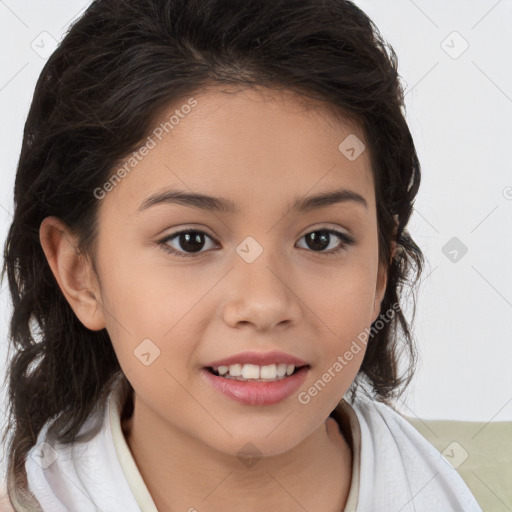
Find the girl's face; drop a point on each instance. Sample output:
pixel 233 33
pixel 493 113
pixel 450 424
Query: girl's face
pixel 261 276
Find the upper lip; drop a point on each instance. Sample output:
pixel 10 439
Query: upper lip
pixel 258 358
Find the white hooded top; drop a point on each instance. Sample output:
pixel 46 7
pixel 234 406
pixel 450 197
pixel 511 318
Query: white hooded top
pixel 394 468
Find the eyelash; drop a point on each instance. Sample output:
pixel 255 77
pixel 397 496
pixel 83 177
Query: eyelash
pixel 346 241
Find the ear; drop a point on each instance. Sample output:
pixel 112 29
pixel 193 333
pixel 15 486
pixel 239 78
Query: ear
pixel 382 277
pixel 380 290
pixel 73 272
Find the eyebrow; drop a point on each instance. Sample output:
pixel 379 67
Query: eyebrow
pixel 209 203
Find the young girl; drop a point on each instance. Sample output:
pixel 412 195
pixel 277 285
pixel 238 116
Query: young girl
pixel 206 263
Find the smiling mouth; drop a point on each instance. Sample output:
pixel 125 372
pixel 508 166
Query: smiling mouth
pixel 254 373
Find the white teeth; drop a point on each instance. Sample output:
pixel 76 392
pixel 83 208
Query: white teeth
pixel 281 369
pixel 268 372
pixel 222 370
pixel 250 371
pixel 235 370
pixel 255 372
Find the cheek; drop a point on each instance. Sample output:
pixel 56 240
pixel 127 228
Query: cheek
pixel 343 307
pixel 147 298
pixel 342 298
pixel 151 309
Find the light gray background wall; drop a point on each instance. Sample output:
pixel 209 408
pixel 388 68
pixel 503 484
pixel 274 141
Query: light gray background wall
pixel 455 60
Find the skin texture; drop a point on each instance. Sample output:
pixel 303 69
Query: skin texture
pixel 262 149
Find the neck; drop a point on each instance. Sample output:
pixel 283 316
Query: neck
pixel 183 473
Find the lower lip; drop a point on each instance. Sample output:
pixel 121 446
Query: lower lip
pixel 257 393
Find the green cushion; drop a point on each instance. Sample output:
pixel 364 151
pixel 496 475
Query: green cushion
pixel 480 452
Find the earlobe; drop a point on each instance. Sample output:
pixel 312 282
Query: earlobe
pixel 72 272
pixel 382 277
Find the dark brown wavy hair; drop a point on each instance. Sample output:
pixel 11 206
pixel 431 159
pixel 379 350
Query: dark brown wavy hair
pixel 96 99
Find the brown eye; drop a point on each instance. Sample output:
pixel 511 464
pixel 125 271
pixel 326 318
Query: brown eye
pixel 189 242
pixel 321 239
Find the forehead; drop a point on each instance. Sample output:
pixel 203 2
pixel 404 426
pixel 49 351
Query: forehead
pixel 254 146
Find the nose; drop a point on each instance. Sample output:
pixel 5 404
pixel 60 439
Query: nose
pixel 261 293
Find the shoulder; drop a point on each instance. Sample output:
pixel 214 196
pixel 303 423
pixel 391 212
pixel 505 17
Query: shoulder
pixel 386 432
pixel 396 460
pixel 381 422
